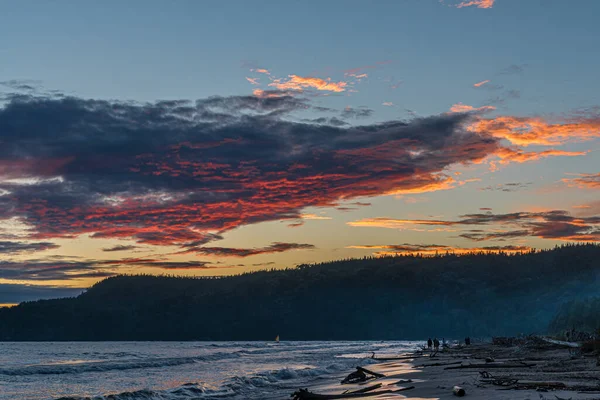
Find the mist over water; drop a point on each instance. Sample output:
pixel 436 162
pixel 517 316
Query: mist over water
pixel 176 370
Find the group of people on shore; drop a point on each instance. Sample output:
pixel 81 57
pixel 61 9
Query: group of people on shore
pixel 435 343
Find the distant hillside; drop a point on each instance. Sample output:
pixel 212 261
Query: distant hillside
pixel 372 298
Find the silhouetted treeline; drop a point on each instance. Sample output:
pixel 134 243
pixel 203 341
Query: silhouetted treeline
pixel 401 297
pixel 581 315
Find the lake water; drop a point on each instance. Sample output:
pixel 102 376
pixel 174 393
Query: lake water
pixel 177 370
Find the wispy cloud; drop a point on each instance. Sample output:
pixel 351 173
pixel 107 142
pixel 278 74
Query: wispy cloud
pixel 120 248
pixel 476 3
pixel 276 247
pixel 584 181
pixel 479 84
pixel 387 104
pixel 253 81
pixel 553 224
pixel 526 131
pixel 296 82
pixel 7 247
pixel 460 107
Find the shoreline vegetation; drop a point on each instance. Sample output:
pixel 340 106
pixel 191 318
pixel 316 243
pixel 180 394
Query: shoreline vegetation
pixel 372 298
pixel 515 368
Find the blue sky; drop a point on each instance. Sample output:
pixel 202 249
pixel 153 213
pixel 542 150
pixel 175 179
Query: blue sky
pixel 422 58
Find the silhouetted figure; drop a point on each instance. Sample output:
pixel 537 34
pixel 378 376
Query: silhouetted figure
pixel 429 343
pixel 467 340
pixel 436 344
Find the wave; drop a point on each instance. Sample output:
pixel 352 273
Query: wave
pixel 102 366
pixel 253 386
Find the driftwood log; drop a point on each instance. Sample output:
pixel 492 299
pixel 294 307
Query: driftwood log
pixel 361 375
pixel 486 366
pixel 304 394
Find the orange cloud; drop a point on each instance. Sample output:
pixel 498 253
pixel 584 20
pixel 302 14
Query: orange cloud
pixel 508 155
pixel 392 223
pixel 253 81
pixel 479 84
pixel 439 183
pixel 460 107
pixel 314 216
pixel 585 181
pixel 526 131
pixel 300 83
pixel 478 3
pixel 261 71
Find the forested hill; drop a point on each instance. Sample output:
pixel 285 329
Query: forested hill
pixel 373 298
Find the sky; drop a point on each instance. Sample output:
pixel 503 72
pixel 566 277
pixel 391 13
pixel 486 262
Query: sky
pixel 221 137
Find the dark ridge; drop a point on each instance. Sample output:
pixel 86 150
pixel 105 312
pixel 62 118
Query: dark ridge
pixel 399 297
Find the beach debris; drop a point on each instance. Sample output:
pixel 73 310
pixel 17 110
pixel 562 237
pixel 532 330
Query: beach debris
pixel 402 381
pixel 489 359
pixel 364 390
pixel 305 394
pixel 416 355
pixel 458 391
pixel 440 364
pixel 490 365
pixel 361 375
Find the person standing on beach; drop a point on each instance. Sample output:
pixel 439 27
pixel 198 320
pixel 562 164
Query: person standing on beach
pixel 429 343
pixel 436 344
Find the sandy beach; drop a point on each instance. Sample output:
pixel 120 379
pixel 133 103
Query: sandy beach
pixel 530 370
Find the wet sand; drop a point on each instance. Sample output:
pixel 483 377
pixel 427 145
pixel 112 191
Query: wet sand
pixel 558 373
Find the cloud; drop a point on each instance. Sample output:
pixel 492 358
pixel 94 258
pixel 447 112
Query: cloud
pixel 181 173
pixel 513 69
pixel 261 71
pixel 478 84
pixel 314 217
pixel 7 247
pixel 253 81
pixel 327 121
pixel 554 224
pixel 584 181
pixel 527 131
pixel 460 108
pixel 436 249
pixel 508 187
pixel 360 112
pixel 50 270
pixel 477 3
pixel 387 104
pixel 296 82
pixel 360 70
pixel 120 248
pixel 277 247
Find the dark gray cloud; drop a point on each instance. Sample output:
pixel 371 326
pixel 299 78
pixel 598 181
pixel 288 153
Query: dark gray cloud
pixel 276 247
pixel 7 247
pixel 120 248
pixel 508 187
pixel 513 69
pixel 327 121
pixel 360 112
